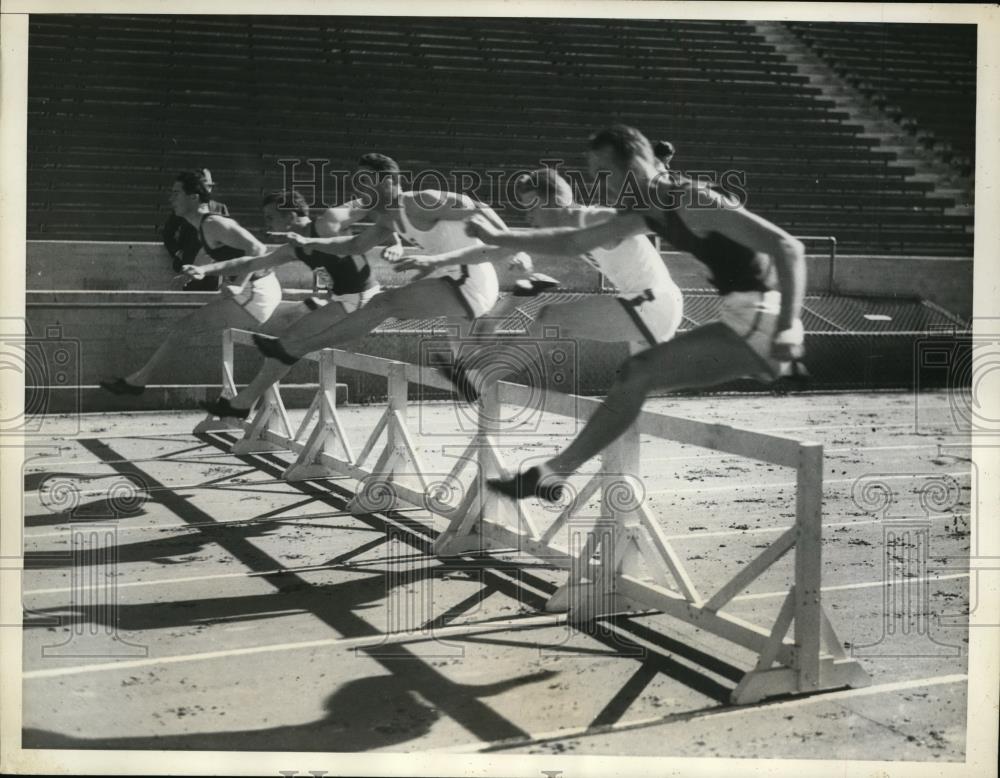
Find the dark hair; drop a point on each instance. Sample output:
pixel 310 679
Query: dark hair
pixel 287 199
pixel 626 142
pixel 547 183
pixel 664 150
pixel 193 182
pixel 378 162
pixel 206 176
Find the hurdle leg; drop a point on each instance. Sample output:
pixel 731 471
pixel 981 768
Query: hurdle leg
pixel 213 423
pixel 400 452
pixel 269 430
pixel 811 668
pixel 313 460
pixel 591 590
pixel 467 533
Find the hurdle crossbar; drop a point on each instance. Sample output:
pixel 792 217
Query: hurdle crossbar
pixel 619 562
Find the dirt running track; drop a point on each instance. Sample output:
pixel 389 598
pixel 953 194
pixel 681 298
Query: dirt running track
pixel 271 634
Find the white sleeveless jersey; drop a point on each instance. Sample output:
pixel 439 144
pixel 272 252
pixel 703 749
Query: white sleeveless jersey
pixel 443 237
pixel 633 266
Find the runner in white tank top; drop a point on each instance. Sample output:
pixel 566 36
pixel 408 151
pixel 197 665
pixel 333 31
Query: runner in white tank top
pixel 644 289
pixel 632 266
pixel 477 283
pixel 428 218
pixel 646 310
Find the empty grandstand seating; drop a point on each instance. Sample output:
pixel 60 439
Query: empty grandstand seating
pixel 922 72
pixel 145 96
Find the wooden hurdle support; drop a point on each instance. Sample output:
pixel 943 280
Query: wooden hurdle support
pixel 624 562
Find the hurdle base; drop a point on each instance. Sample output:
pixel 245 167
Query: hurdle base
pixel 586 601
pixel 471 544
pixel 310 472
pixel 757 685
pixel 255 446
pixel 214 424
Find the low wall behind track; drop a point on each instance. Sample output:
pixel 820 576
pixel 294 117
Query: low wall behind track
pixel 113 301
pixel 95 265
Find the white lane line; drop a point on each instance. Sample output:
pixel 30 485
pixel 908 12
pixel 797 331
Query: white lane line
pixel 198 526
pixel 711 713
pixel 321 568
pixel 696 454
pixel 187 579
pixel 305 570
pixel 219 485
pixel 165 458
pixel 854 424
pixel 868 424
pixel 693 535
pixel 863 585
pixel 783 484
pixel 696 534
pixel 481 627
pixel 95 435
pixel 792 403
pixel 158 528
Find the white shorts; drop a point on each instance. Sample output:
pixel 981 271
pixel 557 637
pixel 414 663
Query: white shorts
pixel 479 295
pixel 350 302
pixel 754 317
pixel 656 313
pixel 258 297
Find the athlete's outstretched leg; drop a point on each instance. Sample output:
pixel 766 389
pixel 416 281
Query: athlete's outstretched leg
pixel 213 317
pixel 602 319
pixel 316 320
pixel 429 297
pixel 706 356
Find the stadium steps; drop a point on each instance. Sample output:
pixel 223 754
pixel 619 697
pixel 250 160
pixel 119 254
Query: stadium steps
pixel 947 184
pixel 933 82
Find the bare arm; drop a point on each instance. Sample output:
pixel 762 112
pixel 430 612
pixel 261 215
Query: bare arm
pixel 249 264
pixel 455 207
pixel 340 217
pixel 346 245
pixel 229 233
pixel 475 254
pixel 562 240
pixel 760 235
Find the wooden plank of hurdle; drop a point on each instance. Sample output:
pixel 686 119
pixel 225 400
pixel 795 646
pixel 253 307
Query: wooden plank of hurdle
pixel 603 562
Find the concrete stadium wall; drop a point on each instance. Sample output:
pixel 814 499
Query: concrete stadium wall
pixel 114 301
pixel 944 281
pixel 99 265
pixel 92 293
pixel 87 265
pixel 94 328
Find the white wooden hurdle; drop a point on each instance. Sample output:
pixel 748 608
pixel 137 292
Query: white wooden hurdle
pixel 625 563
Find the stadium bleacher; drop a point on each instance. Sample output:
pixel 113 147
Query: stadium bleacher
pixel 919 72
pixel 146 96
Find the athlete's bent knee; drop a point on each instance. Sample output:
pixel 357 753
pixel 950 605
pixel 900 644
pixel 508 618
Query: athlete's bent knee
pixel 387 302
pixel 637 372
